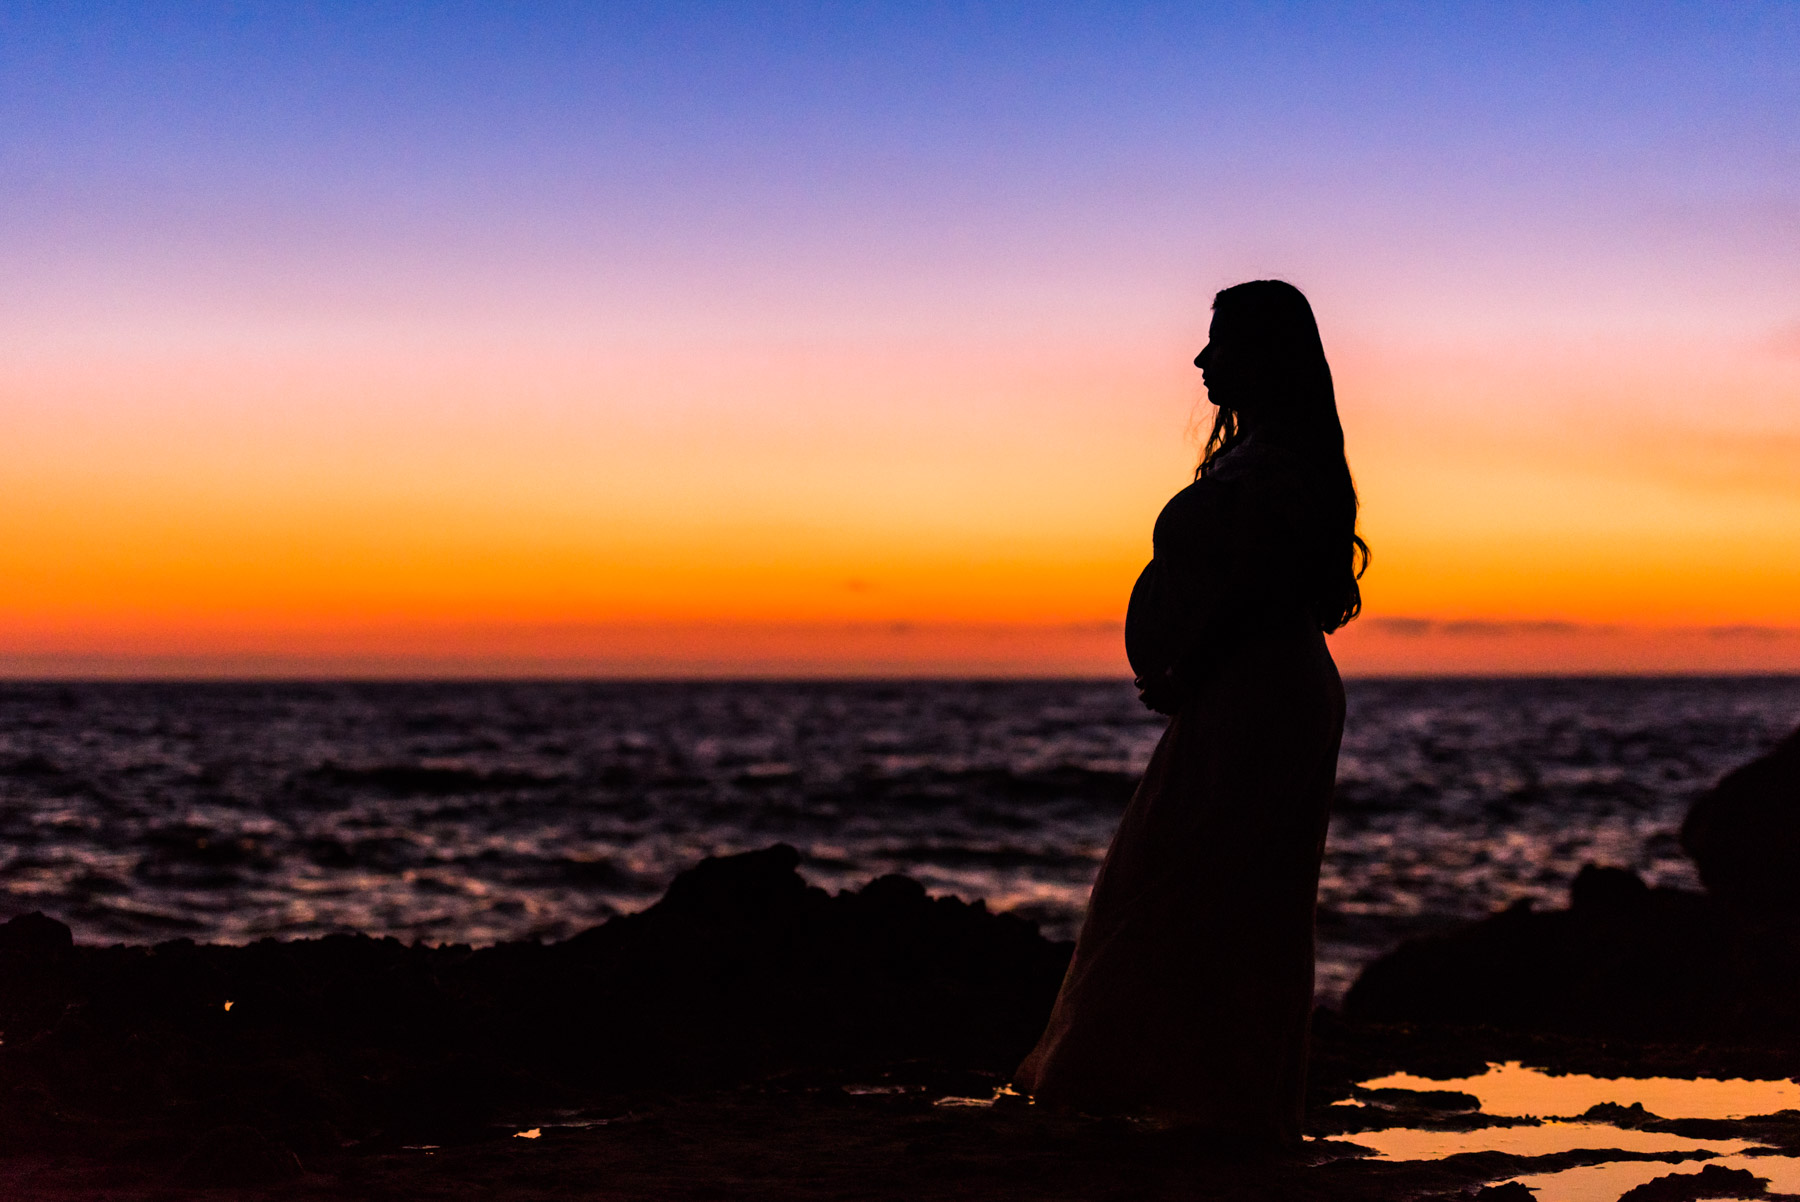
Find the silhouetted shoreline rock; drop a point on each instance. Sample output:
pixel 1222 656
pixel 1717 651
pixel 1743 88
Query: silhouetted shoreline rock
pixel 1624 960
pixel 1744 834
pixel 1621 959
pixel 740 971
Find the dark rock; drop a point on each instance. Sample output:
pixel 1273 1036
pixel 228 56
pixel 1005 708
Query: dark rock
pixel 1744 835
pixel 236 1157
pixel 313 1138
pixel 744 887
pixel 892 892
pixel 1510 1191
pixel 1629 1117
pixel 1623 960
pixel 739 972
pixel 1446 1100
pixel 1713 1181
pixel 1627 960
pixel 1607 890
pixel 35 935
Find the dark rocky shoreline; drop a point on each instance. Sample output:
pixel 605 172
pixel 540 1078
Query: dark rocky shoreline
pixel 1621 961
pixel 749 1035
pixel 739 973
pixel 1627 961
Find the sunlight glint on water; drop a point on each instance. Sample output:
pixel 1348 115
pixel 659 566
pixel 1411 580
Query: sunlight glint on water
pixel 478 812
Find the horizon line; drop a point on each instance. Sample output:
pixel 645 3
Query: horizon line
pixel 752 678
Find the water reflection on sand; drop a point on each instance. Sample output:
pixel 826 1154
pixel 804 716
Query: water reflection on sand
pixel 1566 1102
pixel 1512 1089
pixel 1606 1182
pixel 1542 1139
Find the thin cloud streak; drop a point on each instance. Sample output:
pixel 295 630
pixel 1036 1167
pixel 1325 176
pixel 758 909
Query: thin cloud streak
pixel 1405 627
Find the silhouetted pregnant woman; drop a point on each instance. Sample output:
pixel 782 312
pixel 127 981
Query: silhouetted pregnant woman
pixel 1190 993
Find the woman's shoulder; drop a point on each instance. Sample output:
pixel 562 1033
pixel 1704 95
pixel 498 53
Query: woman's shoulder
pixel 1254 476
pixel 1258 457
pixel 1241 466
pixel 1266 468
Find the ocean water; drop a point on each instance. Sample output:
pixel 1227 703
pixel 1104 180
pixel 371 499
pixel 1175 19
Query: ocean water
pixel 476 812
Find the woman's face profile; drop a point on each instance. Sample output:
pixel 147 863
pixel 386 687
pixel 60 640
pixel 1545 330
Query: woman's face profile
pixel 1222 371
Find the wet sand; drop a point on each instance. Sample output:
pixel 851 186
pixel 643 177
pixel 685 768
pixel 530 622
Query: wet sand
pixel 831 1135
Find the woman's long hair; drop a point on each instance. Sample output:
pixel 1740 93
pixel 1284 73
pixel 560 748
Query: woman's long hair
pixel 1270 324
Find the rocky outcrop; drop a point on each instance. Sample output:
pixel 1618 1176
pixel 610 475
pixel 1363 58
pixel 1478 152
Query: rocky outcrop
pixel 1712 1181
pixel 741 970
pixel 1624 960
pixel 1744 835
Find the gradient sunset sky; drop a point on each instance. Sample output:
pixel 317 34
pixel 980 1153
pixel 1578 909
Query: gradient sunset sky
pixel 847 338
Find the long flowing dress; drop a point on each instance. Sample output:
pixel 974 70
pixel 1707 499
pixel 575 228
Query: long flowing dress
pixel 1190 992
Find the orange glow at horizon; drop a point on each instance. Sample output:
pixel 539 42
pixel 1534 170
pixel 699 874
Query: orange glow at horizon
pixel 206 506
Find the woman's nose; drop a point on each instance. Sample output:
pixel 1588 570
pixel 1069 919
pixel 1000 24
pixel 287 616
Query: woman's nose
pixel 1203 356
